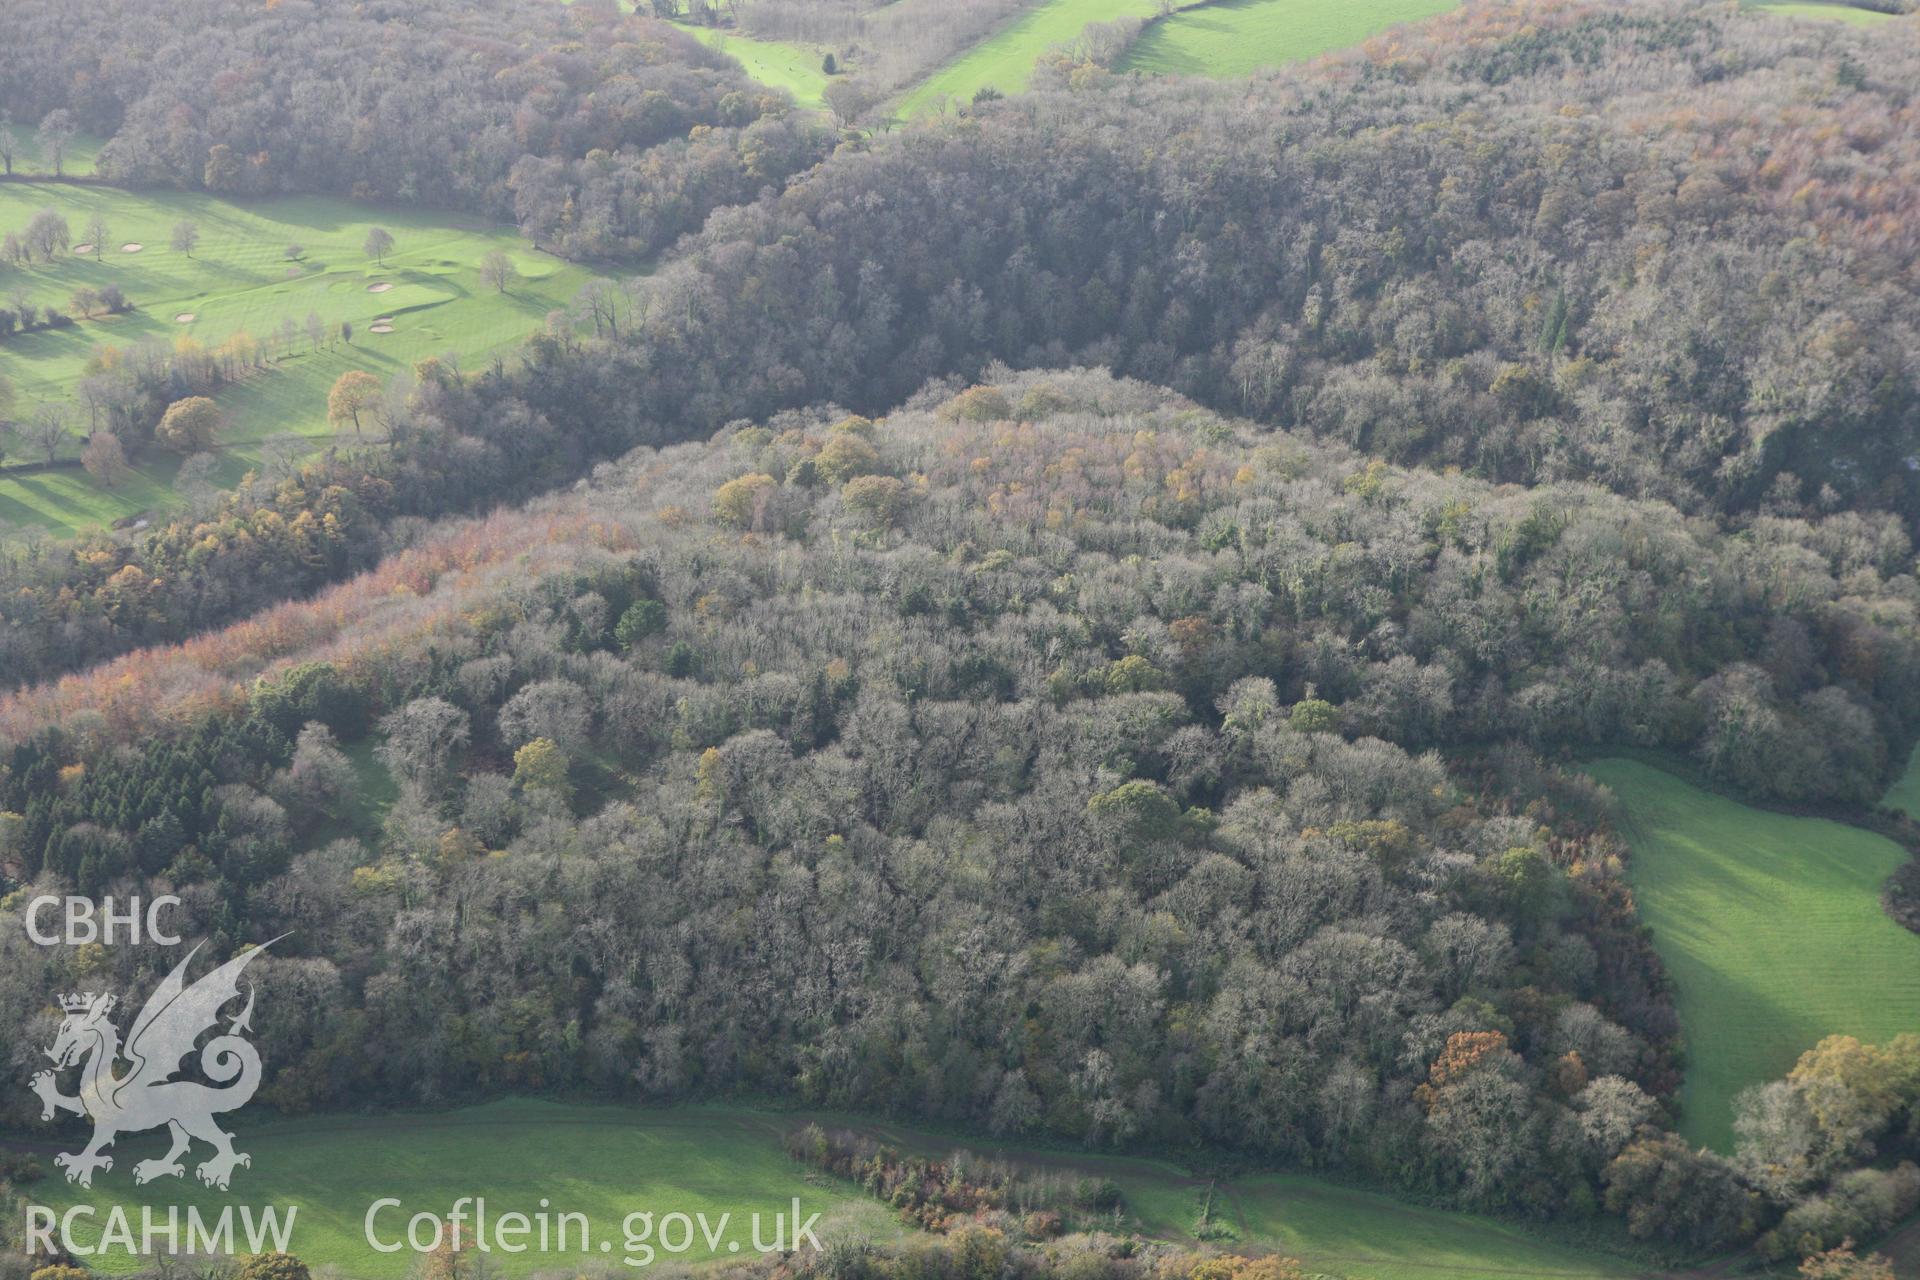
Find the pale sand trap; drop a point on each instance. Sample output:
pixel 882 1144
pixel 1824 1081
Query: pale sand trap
pixel 381 328
pixel 382 287
pixel 81 250
pixel 185 317
pixel 383 319
pixel 132 246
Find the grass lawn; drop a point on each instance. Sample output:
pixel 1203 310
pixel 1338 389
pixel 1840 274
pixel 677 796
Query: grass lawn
pixel 1904 794
pixel 1006 58
pixel 605 1162
pixel 239 279
pixel 608 1162
pixel 1343 1231
pixel 1237 37
pixel 793 67
pixel 1771 928
pixel 1818 9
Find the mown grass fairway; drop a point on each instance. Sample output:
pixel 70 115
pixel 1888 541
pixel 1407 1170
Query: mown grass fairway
pixel 1772 929
pixel 1904 794
pixel 1005 59
pixel 1238 37
pixel 793 67
pixel 607 1162
pixel 1830 12
pixel 240 279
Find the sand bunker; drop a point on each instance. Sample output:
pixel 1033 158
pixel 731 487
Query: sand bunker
pixel 82 250
pixel 132 246
pixel 381 328
pixel 185 317
pixel 380 287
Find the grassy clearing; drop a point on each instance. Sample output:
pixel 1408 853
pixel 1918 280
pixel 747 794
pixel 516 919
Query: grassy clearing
pixel 605 1162
pixel 608 1162
pixel 1904 794
pixel 795 68
pixel 1005 59
pixel 1343 1231
pixel 240 278
pixel 1772 929
pixel 1829 12
pixel 1238 37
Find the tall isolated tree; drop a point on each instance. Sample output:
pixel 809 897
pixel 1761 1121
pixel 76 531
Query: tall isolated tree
pixel 190 425
pixel 48 234
pixel 379 245
pixel 96 232
pixel 46 430
pixel 848 99
pixel 186 235
pixel 497 271
pixel 353 392
pixel 9 142
pixel 104 459
pixel 56 137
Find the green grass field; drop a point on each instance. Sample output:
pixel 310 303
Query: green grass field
pixel 1342 1231
pixel 793 67
pixel 1238 37
pixel 607 1162
pixel 1904 794
pixel 1771 928
pixel 1005 59
pixel 1831 12
pixel 239 279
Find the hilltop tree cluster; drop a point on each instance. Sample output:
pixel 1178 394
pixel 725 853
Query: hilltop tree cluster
pixel 1052 757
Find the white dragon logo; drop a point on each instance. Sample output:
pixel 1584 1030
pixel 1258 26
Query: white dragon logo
pixel 146 1096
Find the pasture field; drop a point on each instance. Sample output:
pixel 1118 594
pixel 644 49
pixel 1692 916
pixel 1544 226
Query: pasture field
pixel 780 65
pixel 1904 794
pixel 1771 928
pixel 607 1162
pixel 1829 11
pixel 240 278
pixel 1238 37
pixel 1005 59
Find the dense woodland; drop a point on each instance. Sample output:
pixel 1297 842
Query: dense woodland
pixel 1654 247
pixel 1052 757
pixel 1068 755
pixel 603 134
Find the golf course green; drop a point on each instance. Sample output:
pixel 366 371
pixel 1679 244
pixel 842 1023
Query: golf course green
pixel 609 1162
pixel 1771 928
pixel 796 68
pixel 1820 9
pixel 1005 59
pixel 255 267
pixel 1237 37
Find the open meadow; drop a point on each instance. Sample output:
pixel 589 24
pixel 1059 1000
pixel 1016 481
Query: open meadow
pixel 1005 59
pixel 607 1162
pixel 1238 37
pixel 262 269
pixel 1829 10
pixel 796 68
pixel 1771 928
